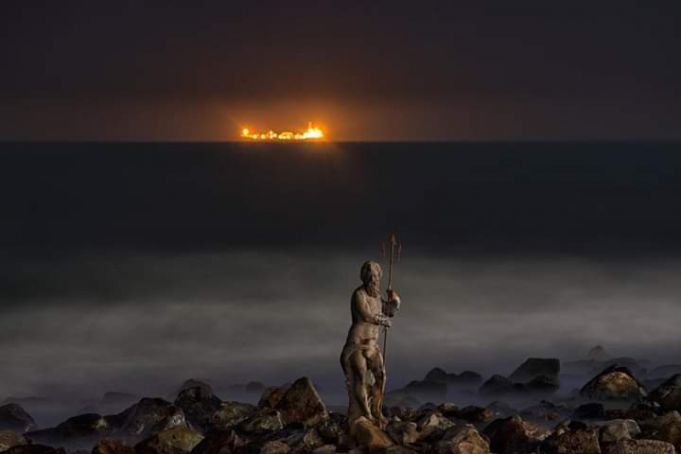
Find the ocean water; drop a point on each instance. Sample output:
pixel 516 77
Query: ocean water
pixel 133 266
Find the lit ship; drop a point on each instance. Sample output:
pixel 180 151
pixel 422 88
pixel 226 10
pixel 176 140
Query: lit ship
pixel 310 134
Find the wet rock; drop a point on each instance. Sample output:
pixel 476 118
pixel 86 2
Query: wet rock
pixel 614 383
pixel 639 447
pixel 199 405
pixel 13 417
pixel 432 426
pixel 369 436
pixel 572 437
pixel 619 429
pixel 275 447
pixel 514 435
pixel 302 404
pixel 403 432
pixel 664 428
pixel 10 439
pixel 448 409
pixel 221 442
pixel 146 417
pixel 403 413
pixel 271 396
pixel 536 367
pixel 34 449
pixel 107 446
pixel 642 410
pixel 592 410
pixel 266 420
pixel 194 383
pixel 496 385
pixel 668 394
pixel 78 431
pixel 474 414
pixel 462 439
pixel 230 414
pixel 333 429
pixel 178 440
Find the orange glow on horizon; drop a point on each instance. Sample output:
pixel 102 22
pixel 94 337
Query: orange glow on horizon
pixel 310 134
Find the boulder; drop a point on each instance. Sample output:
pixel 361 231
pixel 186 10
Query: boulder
pixel 107 446
pixel 664 428
pixel 544 411
pixel 79 431
pixel 271 396
pixel 230 414
pixel 10 439
pixel 514 435
pixel 178 440
pixel 262 422
pixel 543 384
pixel 462 439
pixel 199 405
pixel 333 429
pixel 302 404
pixel 614 383
pixel 146 417
pixel 619 429
pixel 194 383
pixel 572 437
pixel 473 414
pixel 403 432
pixel 639 447
pixel 496 385
pixel 432 426
pixel 275 447
pixel 325 449
pixel 220 442
pixel 536 367
pixel 668 394
pixel 13 417
pixel 368 436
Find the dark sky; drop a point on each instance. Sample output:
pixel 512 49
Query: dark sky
pixel 380 70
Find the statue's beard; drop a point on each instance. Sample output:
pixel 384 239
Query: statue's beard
pixel 374 288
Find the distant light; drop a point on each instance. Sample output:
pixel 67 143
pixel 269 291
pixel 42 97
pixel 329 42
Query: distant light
pixel 310 134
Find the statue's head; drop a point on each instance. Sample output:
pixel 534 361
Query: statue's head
pixel 371 274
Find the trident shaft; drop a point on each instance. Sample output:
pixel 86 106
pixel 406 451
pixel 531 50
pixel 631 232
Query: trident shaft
pixel 392 250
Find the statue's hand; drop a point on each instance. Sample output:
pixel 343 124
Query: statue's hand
pixel 392 295
pixel 382 320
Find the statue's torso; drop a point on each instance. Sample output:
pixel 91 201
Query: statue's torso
pixel 363 332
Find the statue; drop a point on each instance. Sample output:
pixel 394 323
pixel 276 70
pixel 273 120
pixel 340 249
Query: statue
pixel 362 359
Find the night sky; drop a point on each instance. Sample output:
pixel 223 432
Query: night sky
pixel 380 70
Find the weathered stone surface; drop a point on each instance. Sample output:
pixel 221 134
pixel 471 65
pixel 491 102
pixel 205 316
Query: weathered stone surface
pixel 639 447
pixel 275 447
pixel 107 446
pixel 266 420
pixel 194 383
pixel 221 442
pixel 325 449
pixel 514 435
pixel 10 439
pixel 664 428
pixel 462 439
pixel 668 394
pixel 543 384
pixel 397 449
pixel 178 440
pixel 146 417
pixel 78 431
pixel 544 411
pixel 403 432
pixel 199 405
pixel 368 436
pixel 302 404
pixel 230 414
pixel 271 396
pixel 572 437
pixel 614 383
pixel 619 429
pixel 473 414
pixel 432 426
pixel 333 429
pixel 536 367
pixel 13 417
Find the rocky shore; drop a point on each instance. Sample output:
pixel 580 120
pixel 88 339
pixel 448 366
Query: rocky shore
pixel 612 413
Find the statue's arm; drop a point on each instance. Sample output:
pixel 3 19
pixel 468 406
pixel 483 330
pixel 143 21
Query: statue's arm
pixel 364 309
pixel 392 304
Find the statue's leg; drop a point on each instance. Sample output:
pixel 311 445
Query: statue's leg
pixel 359 387
pixel 375 364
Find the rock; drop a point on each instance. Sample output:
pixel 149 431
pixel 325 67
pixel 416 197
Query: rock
pixel 107 446
pixel 432 426
pixel 643 410
pixel 271 396
pixel 536 367
pixel 496 385
pixel 178 440
pixel 302 404
pixel 369 436
pixel 572 437
pixel 34 449
pixel 193 383
pixel 10 439
pixel 474 414
pixel 15 418
pixel 640 447
pixel 333 429
pixel 543 384
pixel 266 420
pixel 514 435
pixel 591 410
pixel 146 417
pixel 614 383
pixel 403 432
pixel 664 428
pixel 544 411
pixel 396 449
pixel 668 394
pixel 199 405
pixel 501 409
pixel 275 447
pixel 220 442
pixel 619 429
pixel 79 431
pixel 462 439
pixel 325 449
pixel 448 409
pixel 403 413
pixel 230 414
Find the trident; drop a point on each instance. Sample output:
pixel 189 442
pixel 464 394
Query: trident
pixel 392 249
